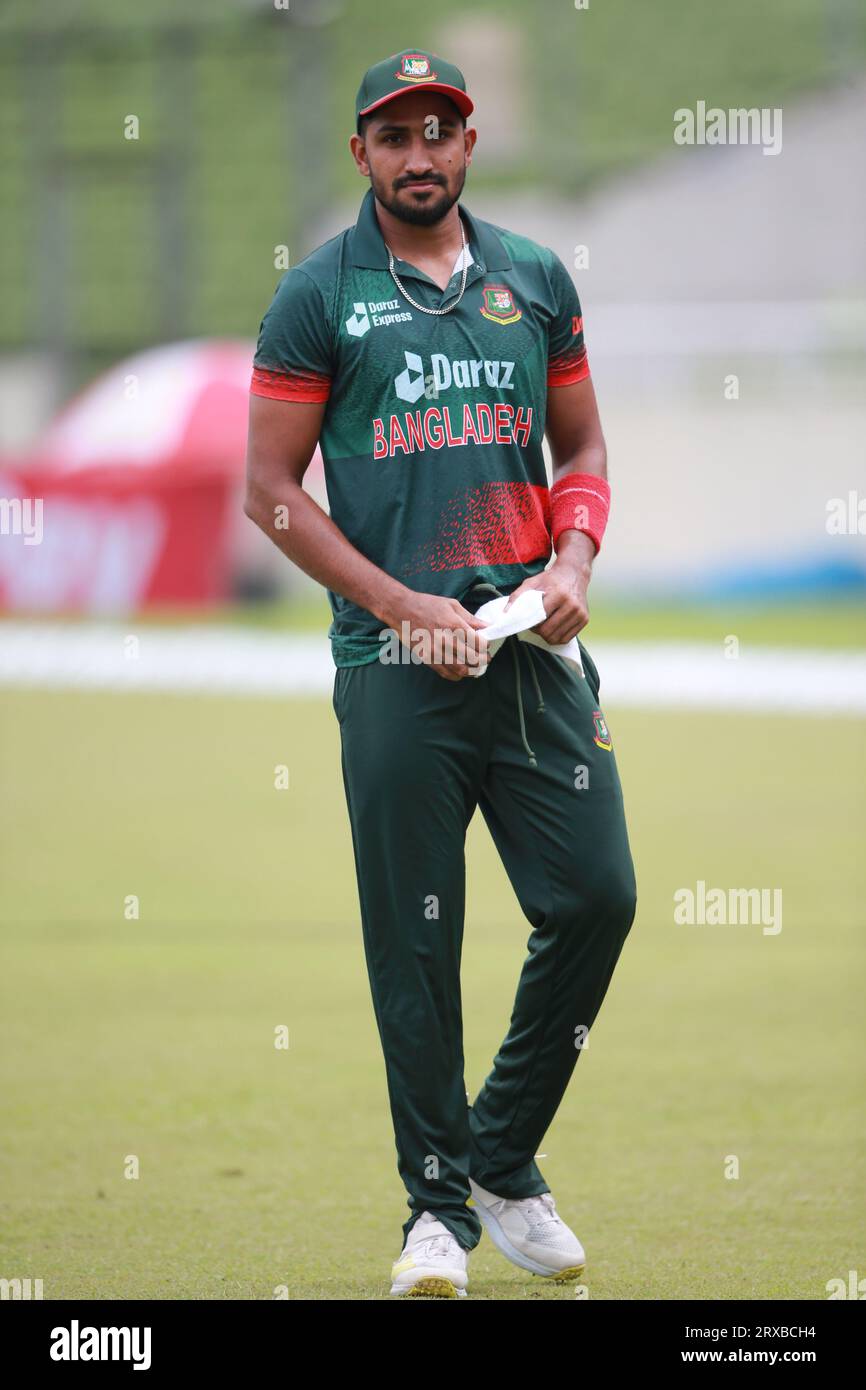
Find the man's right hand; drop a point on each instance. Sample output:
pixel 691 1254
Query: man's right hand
pixel 441 633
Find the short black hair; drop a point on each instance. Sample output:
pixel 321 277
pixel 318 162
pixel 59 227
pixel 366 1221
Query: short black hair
pixel 364 121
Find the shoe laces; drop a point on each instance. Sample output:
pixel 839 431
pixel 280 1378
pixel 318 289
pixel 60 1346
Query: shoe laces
pixel 541 1209
pixel 436 1245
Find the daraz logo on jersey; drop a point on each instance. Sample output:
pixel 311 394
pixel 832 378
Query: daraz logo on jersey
pixel 374 315
pixel 465 373
pixel 439 427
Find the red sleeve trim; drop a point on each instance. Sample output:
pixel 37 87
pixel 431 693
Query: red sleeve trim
pixel 309 387
pixel 565 371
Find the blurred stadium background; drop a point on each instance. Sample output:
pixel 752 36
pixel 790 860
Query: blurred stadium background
pixel 158 659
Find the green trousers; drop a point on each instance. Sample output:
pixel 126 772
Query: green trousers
pixel 528 743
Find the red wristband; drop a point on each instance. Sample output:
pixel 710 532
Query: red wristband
pixel 580 502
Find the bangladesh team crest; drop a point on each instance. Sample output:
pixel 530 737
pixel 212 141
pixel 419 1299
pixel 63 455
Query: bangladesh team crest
pixel 414 67
pixel 498 305
pixel 602 734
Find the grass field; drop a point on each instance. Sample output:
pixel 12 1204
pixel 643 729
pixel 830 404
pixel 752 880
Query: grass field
pixel 819 623
pixel 261 1168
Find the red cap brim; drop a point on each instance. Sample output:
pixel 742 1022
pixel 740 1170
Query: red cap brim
pixel 460 99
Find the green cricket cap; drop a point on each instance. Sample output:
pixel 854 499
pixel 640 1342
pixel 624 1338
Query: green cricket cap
pixel 402 73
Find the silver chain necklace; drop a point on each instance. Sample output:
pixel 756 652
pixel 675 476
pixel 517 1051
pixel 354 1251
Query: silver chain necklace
pixel 415 305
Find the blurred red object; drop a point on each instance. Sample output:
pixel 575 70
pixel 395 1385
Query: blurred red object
pixel 127 501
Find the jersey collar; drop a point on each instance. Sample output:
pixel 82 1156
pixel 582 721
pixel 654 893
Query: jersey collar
pixel 367 245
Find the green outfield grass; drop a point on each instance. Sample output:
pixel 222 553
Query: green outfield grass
pixel 261 1168
pixel 820 624
pixel 837 623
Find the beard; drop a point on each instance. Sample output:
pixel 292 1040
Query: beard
pixel 404 206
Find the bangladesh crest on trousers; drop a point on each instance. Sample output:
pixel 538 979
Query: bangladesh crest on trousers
pixel 602 735
pixel 498 305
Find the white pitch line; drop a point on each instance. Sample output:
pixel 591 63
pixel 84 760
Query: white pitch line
pixel 205 660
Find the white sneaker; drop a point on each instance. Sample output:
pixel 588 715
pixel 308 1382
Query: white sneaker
pixel 530 1232
pixel 432 1264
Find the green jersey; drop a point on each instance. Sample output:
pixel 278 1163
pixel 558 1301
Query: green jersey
pixel 432 432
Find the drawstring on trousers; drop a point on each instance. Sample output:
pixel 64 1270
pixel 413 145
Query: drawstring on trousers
pixel 516 645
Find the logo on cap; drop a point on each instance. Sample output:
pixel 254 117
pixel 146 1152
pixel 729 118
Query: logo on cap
pixel 498 305
pixel 414 67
